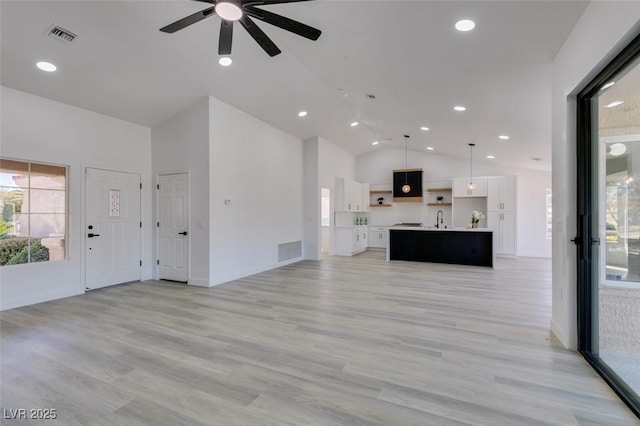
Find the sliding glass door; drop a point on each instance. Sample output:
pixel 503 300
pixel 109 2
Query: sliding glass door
pixel 608 237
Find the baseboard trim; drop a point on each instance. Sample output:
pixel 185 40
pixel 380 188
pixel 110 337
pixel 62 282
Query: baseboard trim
pixel 560 335
pixel 198 282
pixel 236 276
pixel 536 254
pixel 37 298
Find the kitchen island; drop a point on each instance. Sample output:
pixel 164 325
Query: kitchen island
pixel 450 245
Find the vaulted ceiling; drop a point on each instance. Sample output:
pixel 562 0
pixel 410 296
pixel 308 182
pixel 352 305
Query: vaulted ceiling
pixel 407 54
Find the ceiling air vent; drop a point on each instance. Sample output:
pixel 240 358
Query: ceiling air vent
pixel 60 34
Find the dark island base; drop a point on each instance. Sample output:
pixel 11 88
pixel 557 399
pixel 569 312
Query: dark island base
pixel 461 248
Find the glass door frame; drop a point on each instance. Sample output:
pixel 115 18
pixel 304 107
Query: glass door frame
pixel 587 233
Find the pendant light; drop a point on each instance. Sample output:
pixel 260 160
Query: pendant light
pixel 471 186
pixel 406 188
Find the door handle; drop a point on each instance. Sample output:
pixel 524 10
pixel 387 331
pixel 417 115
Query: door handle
pixel 90 235
pixel 183 233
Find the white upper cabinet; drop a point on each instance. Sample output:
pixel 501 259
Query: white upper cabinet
pixel 351 196
pixel 461 188
pixel 502 193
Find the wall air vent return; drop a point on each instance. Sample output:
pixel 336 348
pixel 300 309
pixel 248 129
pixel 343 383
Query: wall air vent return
pixel 287 251
pixel 60 34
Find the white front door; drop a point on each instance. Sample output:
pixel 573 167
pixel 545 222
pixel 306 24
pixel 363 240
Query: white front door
pixel 173 224
pixel 113 228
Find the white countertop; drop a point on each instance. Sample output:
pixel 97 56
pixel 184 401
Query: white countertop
pixel 418 228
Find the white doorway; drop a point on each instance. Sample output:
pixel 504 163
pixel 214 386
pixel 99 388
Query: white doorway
pixel 325 220
pixel 173 227
pixel 113 228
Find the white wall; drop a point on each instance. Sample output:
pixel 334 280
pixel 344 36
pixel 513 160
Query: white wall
pixel 38 129
pixel 376 168
pixel 311 200
pixel 323 161
pixel 603 30
pixel 258 168
pixel 333 161
pixel 181 144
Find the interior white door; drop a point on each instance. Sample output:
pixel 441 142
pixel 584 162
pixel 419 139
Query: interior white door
pixel 173 224
pixel 112 207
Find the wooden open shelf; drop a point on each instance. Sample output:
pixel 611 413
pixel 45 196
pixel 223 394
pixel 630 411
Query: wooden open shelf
pixel 379 205
pixel 380 191
pixel 438 204
pixel 408 199
pixel 438 189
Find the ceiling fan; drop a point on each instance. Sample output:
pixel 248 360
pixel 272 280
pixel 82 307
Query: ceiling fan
pixel 242 11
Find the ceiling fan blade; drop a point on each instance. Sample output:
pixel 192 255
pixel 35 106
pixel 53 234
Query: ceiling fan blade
pixel 189 20
pixel 226 35
pixel 259 36
pixel 284 23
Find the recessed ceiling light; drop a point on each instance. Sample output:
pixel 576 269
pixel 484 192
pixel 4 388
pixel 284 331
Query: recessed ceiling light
pixel 46 66
pixel 609 84
pixel 465 25
pixel 617 149
pixel 302 114
pixel 614 104
pixel 424 128
pixel 491 157
pixel 225 61
pixel 430 148
pixel 459 108
pixel 503 137
pixel 375 143
pixel 228 11
pixel 354 124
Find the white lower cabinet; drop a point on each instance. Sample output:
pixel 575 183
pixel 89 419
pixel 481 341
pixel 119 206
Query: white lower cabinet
pixel 349 241
pixel 504 227
pixel 377 237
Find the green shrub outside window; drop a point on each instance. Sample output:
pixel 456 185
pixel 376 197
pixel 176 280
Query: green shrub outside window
pixel 33 201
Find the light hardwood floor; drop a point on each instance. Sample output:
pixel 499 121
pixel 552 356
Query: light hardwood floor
pixel 344 341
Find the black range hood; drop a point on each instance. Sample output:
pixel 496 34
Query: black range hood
pixel 412 178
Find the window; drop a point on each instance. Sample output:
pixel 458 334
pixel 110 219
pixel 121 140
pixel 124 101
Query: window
pixel 325 207
pixel 549 215
pixel 33 199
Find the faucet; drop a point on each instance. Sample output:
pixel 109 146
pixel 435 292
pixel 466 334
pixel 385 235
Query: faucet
pixel 439 218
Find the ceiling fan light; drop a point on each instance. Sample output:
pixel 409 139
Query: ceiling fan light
pixel 228 11
pixel 225 61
